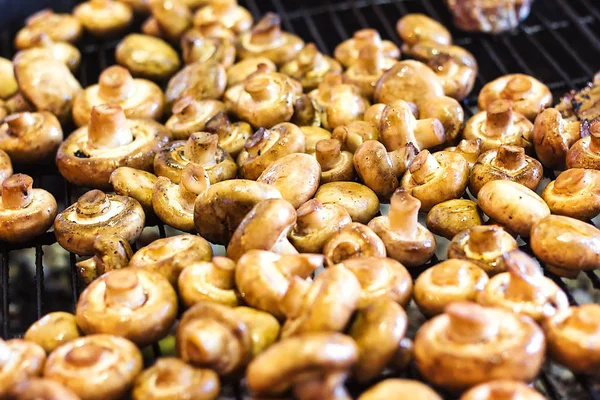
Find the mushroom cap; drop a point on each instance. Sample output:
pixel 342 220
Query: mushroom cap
pixel 451 217
pixel 135 183
pixel 53 330
pixel 296 176
pixel 228 13
pixel 584 153
pixel 147 56
pixel 169 256
pixel 365 73
pixel 196 47
pixel 30 138
pixel 21 360
pixel 408 80
pixel 416 28
pixel 310 66
pixel 400 389
pixel 336 165
pixel 264 328
pixel 7 78
pixel 353 240
pixel 191 116
pixel 512 205
pixel 170 377
pixel 574 338
pixel 58 27
pixel 361 202
pixel 65 52
pixel 232 136
pixel 448 111
pixel 447 282
pixel 103 18
pixel 111 252
pixel 96 213
pixel 502 388
pixel 575 193
pixel 469 345
pixel 135 303
pixel 209 280
pixel 95 367
pixel 348 52
pixel 313 135
pixel 241 70
pixel 219 211
pixel 198 80
pixel 41 389
pixel 553 136
pixel 6 168
pixel 355 133
pixel 172 18
pixel 292 359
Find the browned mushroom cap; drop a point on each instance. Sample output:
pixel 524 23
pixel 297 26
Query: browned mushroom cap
pixel 264 328
pixel 527 95
pixel 313 135
pixel 575 193
pixel 200 80
pixel 400 389
pixel 505 163
pixel 209 280
pixel 307 112
pixel 139 98
pixel 53 330
pixel 368 68
pixel 500 389
pixel 59 27
pixel 24 212
pixel 266 39
pixel 226 12
pixel 483 343
pixel 344 105
pixel 95 367
pixel 573 335
pixel 353 240
pixel 21 360
pixel 103 17
pixel 309 67
pixel 377 330
pixel 42 45
pixel 6 168
pixel 348 52
pixel 232 136
pixel 196 47
pixel 30 138
pixel 498 125
pixel 16 104
pixel 173 18
pixel 354 134
pixel 435 178
pixel 410 81
pixel 111 252
pixel 96 213
pixel 263 277
pixel 238 72
pixel 134 183
pixel 405 239
pixel 512 205
pixel 224 205
pixel 361 202
pixel 147 56
pixel 8 82
pixel 451 217
pixel 416 28
pixel 585 153
pixel 268 145
pixel 524 289
pixel 40 389
pixel 170 377
pixel 448 111
pixel 483 245
pixel 169 256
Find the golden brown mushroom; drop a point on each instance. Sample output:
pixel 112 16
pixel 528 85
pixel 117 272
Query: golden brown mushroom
pixel 368 68
pixel 232 136
pixel 502 388
pixel 435 178
pixel 196 47
pixel 585 153
pixel 8 82
pixel 6 168
pixel 103 17
pixel 209 280
pixel 408 80
pixel 147 56
pixel 241 70
pixel 30 138
pixel 400 389
pixel 134 183
pixel 310 66
pixel 97 213
pixel 16 104
pixel 40 389
pixel 483 245
pixel 527 95
pixel 200 80
pixel 53 330
pixel 313 135
pixel 111 252
pixel 575 193
pixel 21 360
pixel 307 112
pixel 417 28
pixel 90 154
pixel 572 336
pixel 170 17
pixel 191 116
pixel 451 217
pixel 483 343
pixel 449 112
pixel 139 98
pixel 95 367
pixel 361 202
pixel 353 240
pixel 59 27
pixel 43 45
pixel 24 212
pixel 171 378
pixel 348 52
pixel 227 12
pixel 355 133
pixel 505 163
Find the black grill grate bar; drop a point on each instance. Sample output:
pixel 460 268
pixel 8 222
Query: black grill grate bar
pixel 287 24
pixel 581 26
pixel 5 289
pixel 254 10
pixel 387 26
pixel 314 31
pixel 584 381
pixel 594 278
pixel 593 11
pixel 549 386
pixel 489 49
pixel 337 24
pixel 359 16
pixel 39 279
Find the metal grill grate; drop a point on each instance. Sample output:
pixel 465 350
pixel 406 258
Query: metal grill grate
pixel 559 44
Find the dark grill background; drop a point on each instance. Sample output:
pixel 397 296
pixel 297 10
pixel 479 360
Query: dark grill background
pixel 559 44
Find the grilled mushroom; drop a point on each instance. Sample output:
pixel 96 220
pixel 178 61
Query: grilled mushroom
pixel 368 68
pixel 200 80
pixel 43 45
pixel 585 153
pixel 500 388
pixel 197 47
pixel 30 138
pixel 191 116
pixel 310 66
pixel 147 56
pixel 6 168
pixel 408 80
pixel 40 389
pixel 450 113
pixel 103 17
pixel 400 389
pixel 209 280
pixel 8 82
pixel 575 193
pixel 111 252
pixel 451 217
pixel 493 17
pixel 21 360
pixel 134 183
pixel 348 52
pixel 241 70
pixel 353 240
pixel 416 28
pixel 361 202
pixel 355 133
pixel 59 27
pixel 227 12
pixel 170 19
pixel 53 330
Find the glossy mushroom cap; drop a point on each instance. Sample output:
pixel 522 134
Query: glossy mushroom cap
pixel 408 80
pixel 355 133
pixel 502 389
pixel 451 217
pixel 103 17
pixel 53 330
pixel 173 18
pixel 147 56
pixel 111 252
pixel 241 70
pixel 40 389
pixel 353 240
pixel 226 12
pixel 485 343
pixel 211 281
pixel 200 80
pixel 575 193
pixel 42 44
pixel 361 202
pixel 416 28
pixel 585 153
pixel 368 68
pixel 59 27
pixel 199 47
pixel 336 165
pixel 232 136
pixel 7 78
pixel 310 66
pixel 348 52
pixel 134 183
pixel 400 389
pixel 469 149
pixel 20 360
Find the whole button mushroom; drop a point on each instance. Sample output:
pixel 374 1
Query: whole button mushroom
pixel 527 95
pixel 227 12
pixel 573 335
pixel 490 17
pixel 232 135
pixel 380 278
pixel 585 153
pixel 502 388
pixel 110 252
pixel 172 378
pixel 355 133
pixel 134 183
pixel 135 303
pixel 43 45
pixel 266 39
pixel 405 239
pixel 365 72
pixel 361 202
pixel 20 360
pixel 435 178
pixel 59 27
pixel 499 125
pixel 170 19
pixel 30 138
pixel 200 80
pixel 309 67
pixel 313 362
pixel 448 282
pixel 400 389
pixel 575 193
pixel 139 98
pixel 268 145
pixel 103 17
pixel 483 245
pixel 209 280
pixel 264 328
pixel 90 154
pixel 505 163
pixel 169 256
pixel 512 205
pixel 353 240
pixel 148 57
pixel 53 330
pixel 524 289
pixel 315 224
pixel 417 28
pixel 336 165
pixel 40 389
pixel 348 52
pixel 296 176
pixel 24 212
pixel 219 211
pixel 8 82
pixel 451 217
pixel 566 245
pixel 196 47
pixel 238 72
pixel 448 111
pixel 483 343
pixel 95 367
pixel 408 80
pixel 263 277
pixel 96 213
pixel 201 149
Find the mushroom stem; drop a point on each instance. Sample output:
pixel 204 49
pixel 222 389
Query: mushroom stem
pixel 499 117
pixel 311 217
pixel 194 181
pixel 219 125
pixel 469 323
pixel 108 128
pixel 302 265
pixel 429 133
pixel 41 40
pixel 370 59
pixel 330 80
pixel 207 341
pixel 123 289
pixel 586 318
pixel 365 37
pixel 17 192
pixel 517 88
pixel 261 139
pixel 267 31
pixel 571 181
pixel 116 83
pixel 261 88
pixel 404 214
pixel 328 387
pixel 572 131
pixel 92 203
pixel 484 239
pixel 511 158
pixel 186 107
pixel 223 272
pixel 283 246
pixel 309 57
pixel 525 277
pixel 595 137
pixel 201 148
pixel 402 158
pixel 423 166
pixel 469 149
pixel 85 355
pixel 20 123
pixel 328 153
pixel 292 301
